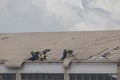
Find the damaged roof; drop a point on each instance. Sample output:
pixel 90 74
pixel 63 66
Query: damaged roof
pixel 15 48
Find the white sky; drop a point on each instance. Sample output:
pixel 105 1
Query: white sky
pixel 58 15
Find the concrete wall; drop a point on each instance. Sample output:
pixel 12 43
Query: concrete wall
pixel 93 68
pixel 58 68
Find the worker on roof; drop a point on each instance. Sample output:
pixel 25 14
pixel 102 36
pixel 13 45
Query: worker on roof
pixel 43 56
pixel 67 52
pixel 34 54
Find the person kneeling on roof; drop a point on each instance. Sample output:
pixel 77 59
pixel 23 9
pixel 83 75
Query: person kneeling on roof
pixel 67 52
pixel 43 56
pixel 34 54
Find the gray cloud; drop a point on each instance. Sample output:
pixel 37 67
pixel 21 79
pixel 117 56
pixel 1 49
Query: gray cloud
pixel 58 15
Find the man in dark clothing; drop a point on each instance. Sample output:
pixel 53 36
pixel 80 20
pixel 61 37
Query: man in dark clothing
pixel 34 54
pixel 67 52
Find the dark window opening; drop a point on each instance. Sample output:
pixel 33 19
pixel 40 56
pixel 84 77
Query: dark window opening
pixel 42 76
pixel 7 77
pixel 93 77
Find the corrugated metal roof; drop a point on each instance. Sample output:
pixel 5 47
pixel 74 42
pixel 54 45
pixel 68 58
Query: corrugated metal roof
pixel 16 47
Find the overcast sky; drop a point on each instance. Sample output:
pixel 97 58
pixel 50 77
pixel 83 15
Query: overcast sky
pixel 58 15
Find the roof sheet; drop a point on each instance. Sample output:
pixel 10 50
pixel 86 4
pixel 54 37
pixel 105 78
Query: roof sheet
pixel 16 47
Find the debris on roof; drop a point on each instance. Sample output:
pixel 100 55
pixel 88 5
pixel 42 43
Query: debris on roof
pixel 103 56
pixel 4 38
pixel 73 38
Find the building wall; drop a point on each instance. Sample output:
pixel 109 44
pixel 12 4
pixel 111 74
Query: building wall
pixel 93 68
pixel 58 68
pixel 47 69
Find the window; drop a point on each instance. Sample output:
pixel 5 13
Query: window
pixel 108 77
pixel 100 77
pixel 79 77
pixel 36 77
pixel 72 77
pixel 86 77
pixel 42 76
pixel 93 77
pixel 7 76
pixel 49 77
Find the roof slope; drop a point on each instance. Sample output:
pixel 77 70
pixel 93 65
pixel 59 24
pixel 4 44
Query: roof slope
pixel 16 47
